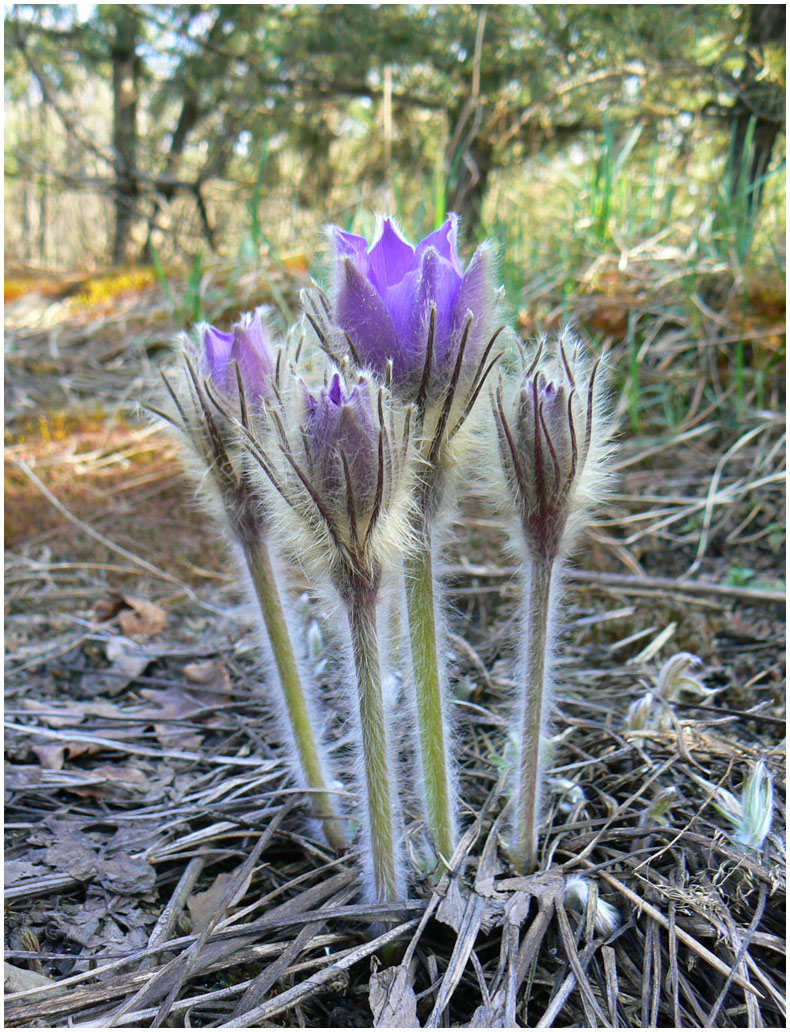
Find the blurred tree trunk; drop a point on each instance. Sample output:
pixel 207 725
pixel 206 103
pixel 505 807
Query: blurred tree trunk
pixel 760 101
pixel 468 181
pixel 42 185
pixel 125 68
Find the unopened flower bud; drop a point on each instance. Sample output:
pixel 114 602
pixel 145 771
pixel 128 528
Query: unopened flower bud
pixel 248 345
pixel 552 440
pixel 570 794
pixel 340 458
pixel 660 806
pixel 224 379
pixel 315 641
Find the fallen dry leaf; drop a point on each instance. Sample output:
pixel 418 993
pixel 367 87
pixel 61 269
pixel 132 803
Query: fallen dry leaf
pixel 172 705
pixel 16 871
pixel 52 755
pixel 128 659
pixel 106 608
pixel 203 906
pixel 16 980
pixel 142 619
pixel 68 713
pixel 209 678
pixel 112 781
pixel 392 999
pixel 136 616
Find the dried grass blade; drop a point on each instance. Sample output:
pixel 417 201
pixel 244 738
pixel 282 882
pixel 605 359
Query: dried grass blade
pixel 313 985
pixel 688 940
pixel 467 934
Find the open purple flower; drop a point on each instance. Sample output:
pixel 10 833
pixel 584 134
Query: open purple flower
pixel 249 346
pixel 413 306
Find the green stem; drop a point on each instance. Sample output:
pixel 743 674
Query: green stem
pixel 430 701
pixel 536 621
pixel 263 578
pixel 378 785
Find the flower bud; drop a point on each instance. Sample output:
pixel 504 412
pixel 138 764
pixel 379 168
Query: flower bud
pixel 421 323
pixel 552 442
pixel 639 713
pixel 340 458
pixel 661 805
pixel 248 345
pixel 225 378
pixel 569 794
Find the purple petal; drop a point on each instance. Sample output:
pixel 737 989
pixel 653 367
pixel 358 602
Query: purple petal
pixel 478 296
pixel 251 350
pixel 360 311
pixel 439 285
pixel 348 245
pixel 335 392
pixel 445 241
pixel 215 349
pixel 336 422
pixel 391 257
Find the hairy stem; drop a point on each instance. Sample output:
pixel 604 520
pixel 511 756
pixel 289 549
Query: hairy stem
pixel 536 628
pixel 431 724
pixel 263 578
pixel 378 781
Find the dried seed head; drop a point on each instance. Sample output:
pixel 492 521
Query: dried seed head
pixel 553 441
pixel 341 460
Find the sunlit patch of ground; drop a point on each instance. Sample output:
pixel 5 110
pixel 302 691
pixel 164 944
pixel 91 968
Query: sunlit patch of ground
pixel 119 478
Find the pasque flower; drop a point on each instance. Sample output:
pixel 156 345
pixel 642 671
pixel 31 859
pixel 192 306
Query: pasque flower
pixel 340 459
pixel 553 441
pixel 412 306
pixel 248 347
pixel 417 319
pixel 427 327
pixel 225 377
pixel 216 401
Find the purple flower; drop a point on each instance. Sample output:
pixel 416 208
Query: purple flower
pixel 248 344
pixel 386 298
pixel 341 441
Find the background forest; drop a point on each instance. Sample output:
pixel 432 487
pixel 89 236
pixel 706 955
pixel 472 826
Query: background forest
pixel 170 163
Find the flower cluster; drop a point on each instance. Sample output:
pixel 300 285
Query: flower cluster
pixel 418 321
pixel 349 476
